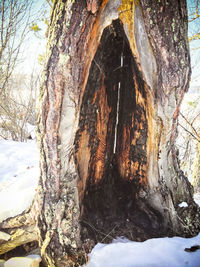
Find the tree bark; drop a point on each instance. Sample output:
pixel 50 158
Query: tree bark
pixel 18 231
pixel 115 75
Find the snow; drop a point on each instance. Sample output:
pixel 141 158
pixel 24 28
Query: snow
pixel 31 130
pixel 19 172
pixel 29 261
pixel 183 205
pixel 154 252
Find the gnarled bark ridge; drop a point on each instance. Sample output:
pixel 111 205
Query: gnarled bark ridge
pixel 115 76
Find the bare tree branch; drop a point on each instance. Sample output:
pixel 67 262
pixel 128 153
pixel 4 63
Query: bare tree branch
pixel 189 132
pixel 190 124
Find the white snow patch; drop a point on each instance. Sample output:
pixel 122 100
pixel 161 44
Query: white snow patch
pixel 183 205
pixel 154 252
pixel 19 173
pixel 31 129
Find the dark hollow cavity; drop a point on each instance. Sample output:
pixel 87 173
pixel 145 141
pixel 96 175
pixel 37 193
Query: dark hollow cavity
pixel 111 205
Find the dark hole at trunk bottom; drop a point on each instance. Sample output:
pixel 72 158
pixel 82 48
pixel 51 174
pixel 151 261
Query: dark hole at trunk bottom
pixel 111 209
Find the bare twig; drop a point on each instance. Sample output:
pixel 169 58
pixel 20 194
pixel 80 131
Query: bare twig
pixel 189 132
pixel 98 231
pixel 194 130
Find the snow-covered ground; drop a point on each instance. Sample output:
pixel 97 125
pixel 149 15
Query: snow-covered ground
pixel 156 252
pixel 19 171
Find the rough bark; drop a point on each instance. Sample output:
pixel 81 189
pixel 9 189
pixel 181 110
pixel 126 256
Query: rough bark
pixel 115 76
pixel 17 231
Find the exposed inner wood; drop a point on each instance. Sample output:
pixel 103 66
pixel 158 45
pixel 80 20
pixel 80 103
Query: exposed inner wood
pixel 111 144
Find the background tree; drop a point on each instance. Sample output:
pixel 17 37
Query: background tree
pixel 115 76
pixel 194 38
pixel 15 22
pixel 15 16
pixel 188 141
pixel 17 90
pixel 18 107
pixel 194 18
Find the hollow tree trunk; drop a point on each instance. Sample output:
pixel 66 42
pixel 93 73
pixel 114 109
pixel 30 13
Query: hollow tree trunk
pixel 115 75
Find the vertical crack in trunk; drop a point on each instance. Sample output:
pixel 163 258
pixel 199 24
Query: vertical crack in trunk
pixel 117 113
pixel 111 145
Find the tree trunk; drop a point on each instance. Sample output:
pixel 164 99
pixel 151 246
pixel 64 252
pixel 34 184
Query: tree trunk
pixel 115 76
